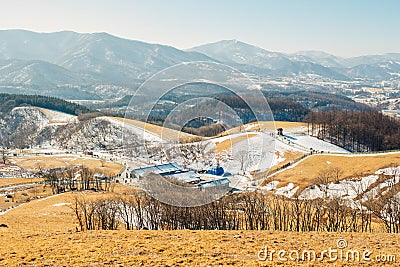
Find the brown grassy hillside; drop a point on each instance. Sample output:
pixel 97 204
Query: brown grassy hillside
pixel 42 233
pixel 307 170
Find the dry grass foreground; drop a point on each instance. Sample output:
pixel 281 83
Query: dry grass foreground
pixel 353 166
pixel 49 162
pixel 42 232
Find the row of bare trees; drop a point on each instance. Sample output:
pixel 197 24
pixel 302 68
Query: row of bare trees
pixel 245 211
pixel 77 178
pixel 194 155
pixel 100 214
pixel 373 201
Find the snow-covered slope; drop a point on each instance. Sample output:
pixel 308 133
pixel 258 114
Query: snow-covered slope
pixel 307 143
pixel 57 117
pixel 146 135
pixel 242 154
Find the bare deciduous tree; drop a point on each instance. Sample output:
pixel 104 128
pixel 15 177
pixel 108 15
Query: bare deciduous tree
pixel 4 155
pixel 245 211
pixel 243 157
pixel 327 176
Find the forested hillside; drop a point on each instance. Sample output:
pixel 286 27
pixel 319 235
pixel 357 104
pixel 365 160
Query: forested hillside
pixel 317 101
pixel 356 130
pixel 10 101
pixel 282 109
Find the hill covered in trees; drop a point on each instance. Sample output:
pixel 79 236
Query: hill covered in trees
pixel 357 131
pixel 282 109
pixel 317 101
pixel 10 101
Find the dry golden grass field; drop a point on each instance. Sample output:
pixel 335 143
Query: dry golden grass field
pixel 353 166
pixel 48 162
pixel 21 196
pixel 228 143
pixel 289 156
pixel 42 233
pixel 18 181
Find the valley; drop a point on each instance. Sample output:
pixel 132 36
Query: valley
pixel 292 170
pixel 119 152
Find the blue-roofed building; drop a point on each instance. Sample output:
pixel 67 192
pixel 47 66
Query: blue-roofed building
pixel 176 173
pixel 218 170
pixel 162 169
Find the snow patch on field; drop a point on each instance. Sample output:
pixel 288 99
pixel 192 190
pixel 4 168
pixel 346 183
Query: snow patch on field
pixel 251 126
pixel 270 186
pixel 348 189
pixel 61 204
pixel 147 136
pixel 288 191
pixel 255 153
pixel 313 143
pixel 227 137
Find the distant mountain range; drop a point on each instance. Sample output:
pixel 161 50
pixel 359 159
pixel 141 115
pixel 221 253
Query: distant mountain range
pixel 99 65
pixel 254 59
pixel 243 55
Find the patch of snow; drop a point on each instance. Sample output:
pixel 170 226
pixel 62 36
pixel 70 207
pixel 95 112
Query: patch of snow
pixel 288 191
pixel 251 126
pixel 314 143
pixel 348 189
pixel 255 153
pixel 270 186
pixel 147 136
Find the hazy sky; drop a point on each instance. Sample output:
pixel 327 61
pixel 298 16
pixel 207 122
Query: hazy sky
pixel 341 27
